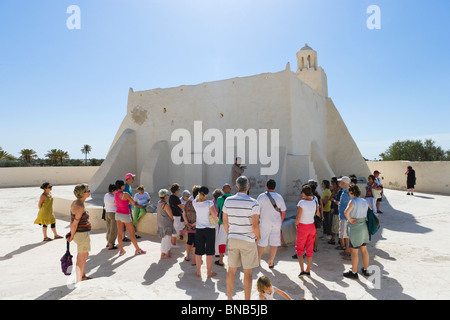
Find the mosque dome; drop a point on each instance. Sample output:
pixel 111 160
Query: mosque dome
pixel 306 47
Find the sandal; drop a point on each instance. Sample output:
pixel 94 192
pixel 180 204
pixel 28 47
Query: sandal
pixel 219 264
pixel 47 239
pixel 339 247
pixel 122 252
pixel 114 247
pixel 332 242
pixel 58 237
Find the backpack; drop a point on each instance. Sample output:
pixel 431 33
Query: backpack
pixel 220 213
pixel 66 261
pixel 373 224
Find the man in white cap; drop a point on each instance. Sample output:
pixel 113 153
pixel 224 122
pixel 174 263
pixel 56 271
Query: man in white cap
pixel 344 182
pixel 376 174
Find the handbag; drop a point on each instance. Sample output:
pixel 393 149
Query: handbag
pixel 376 193
pixel 213 220
pixel 66 260
pixel 317 222
pixel 104 213
pixel 317 219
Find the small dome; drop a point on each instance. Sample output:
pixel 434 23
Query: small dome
pixel 306 47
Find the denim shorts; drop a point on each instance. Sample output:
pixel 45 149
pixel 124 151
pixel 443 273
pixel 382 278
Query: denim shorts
pixel 124 218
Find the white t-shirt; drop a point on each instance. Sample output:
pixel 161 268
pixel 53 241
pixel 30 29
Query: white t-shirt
pixel 202 212
pixel 142 199
pixel 110 205
pixel 268 214
pixel 240 208
pixel 308 211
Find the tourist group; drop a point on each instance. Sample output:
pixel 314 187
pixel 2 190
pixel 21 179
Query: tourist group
pixel 232 223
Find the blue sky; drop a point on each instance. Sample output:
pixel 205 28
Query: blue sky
pixel 62 88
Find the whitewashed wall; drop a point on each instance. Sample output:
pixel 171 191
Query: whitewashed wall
pixel 432 177
pixel 35 176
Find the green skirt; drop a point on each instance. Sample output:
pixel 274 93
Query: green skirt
pixel 358 232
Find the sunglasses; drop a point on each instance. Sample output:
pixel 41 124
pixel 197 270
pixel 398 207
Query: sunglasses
pixel 87 191
pixel 49 187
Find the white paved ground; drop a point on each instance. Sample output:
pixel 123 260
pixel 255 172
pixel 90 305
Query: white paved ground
pixel 411 251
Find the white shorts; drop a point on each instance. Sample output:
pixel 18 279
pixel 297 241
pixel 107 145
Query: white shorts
pixel 373 203
pixel 178 225
pixel 343 229
pixel 270 234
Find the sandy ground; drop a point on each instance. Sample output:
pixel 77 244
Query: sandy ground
pixel 410 256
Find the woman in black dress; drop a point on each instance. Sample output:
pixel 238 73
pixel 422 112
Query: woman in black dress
pixel 410 180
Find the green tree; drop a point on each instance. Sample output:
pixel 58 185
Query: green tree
pixel 28 155
pixel 415 150
pixel 86 150
pixel 6 156
pixel 56 156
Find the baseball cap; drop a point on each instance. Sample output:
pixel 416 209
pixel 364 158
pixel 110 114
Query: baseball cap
pixel 345 179
pixel 129 175
pixel 376 171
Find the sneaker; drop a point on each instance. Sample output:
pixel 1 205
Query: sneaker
pixel 350 275
pixel 295 256
pixel 365 272
pixel 304 273
pixel 408 194
pixel 139 252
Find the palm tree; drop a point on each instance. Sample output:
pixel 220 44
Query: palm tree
pixel 86 150
pixel 52 156
pixel 57 155
pixel 5 155
pixel 28 155
pixel 62 155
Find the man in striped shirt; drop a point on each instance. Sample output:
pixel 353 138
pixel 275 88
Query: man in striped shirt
pixel 241 222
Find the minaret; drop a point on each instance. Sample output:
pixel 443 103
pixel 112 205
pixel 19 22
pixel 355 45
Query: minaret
pixel 309 72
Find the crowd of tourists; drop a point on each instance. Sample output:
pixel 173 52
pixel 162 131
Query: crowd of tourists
pixel 229 223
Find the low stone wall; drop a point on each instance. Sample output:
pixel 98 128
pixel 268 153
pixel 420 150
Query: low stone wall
pixel 431 177
pixel 35 176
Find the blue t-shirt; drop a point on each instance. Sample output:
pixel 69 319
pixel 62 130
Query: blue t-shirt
pixel 343 203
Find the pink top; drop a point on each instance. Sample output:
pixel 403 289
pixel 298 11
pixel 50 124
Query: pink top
pixel 122 205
